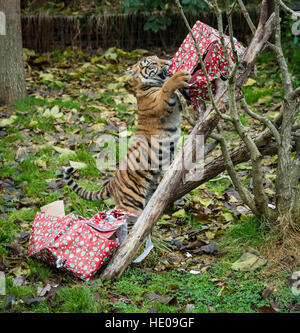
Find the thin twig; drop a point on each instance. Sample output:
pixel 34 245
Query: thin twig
pixel 229 19
pixel 247 16
pixel 267 122
pixel 246 196
pixel 218 14
pixel 259 207
pixel 283 5
pixel 232 75
pixel 233 7
pixel 286 78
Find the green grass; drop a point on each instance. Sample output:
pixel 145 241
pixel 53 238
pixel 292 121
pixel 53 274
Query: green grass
pixel 8 227
pixel 28 103
pixel 240 294
pixel 253 95
pixel 251 233
pixel 38 269
pixel 219 186
pixel 78 300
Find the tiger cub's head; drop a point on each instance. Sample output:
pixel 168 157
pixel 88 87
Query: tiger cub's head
pixel 150 71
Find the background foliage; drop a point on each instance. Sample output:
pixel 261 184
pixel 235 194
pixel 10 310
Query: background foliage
pixel 161 9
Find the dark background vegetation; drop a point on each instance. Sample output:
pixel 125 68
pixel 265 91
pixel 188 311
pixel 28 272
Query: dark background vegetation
pixel 127 24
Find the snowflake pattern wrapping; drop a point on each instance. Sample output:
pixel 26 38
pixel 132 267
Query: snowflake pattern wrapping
pixel 186 58
pixel 74 243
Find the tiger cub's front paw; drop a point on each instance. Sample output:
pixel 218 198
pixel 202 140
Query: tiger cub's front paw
pixel 180 80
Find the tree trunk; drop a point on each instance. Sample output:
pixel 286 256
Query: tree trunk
pixel 12 74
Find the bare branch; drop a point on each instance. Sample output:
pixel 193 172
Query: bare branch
pixel 247 16
pixel 229 19
pixel 233 7
pixel 238 155
pixel 260 207
pixel 260 38
pixel 218 14
pixel 283 5
pixel 265 11
pixel 246 196
pixel 286 78
pixel 284 182
pixel 267 122
pixel 258 189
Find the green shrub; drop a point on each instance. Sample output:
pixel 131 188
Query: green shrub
pixel 161 9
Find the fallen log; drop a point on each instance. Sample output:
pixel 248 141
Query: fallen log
pixel 174 178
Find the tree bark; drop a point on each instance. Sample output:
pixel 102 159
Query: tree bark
pixel 216 166
pixel 173 178
pixel 287 174
pixel 12 74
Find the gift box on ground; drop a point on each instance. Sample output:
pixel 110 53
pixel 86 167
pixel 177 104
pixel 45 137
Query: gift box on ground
pixel 210 47
pixel 77 244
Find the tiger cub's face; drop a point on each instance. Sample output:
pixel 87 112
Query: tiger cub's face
pixel 151 70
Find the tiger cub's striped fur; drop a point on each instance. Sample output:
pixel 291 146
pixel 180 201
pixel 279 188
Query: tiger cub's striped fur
pixel 153 145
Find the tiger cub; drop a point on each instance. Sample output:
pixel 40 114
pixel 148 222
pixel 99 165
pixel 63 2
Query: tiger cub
pixel 154 143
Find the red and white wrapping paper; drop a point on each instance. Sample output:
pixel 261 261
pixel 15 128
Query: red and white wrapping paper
pixel 210 47
pixel 77 244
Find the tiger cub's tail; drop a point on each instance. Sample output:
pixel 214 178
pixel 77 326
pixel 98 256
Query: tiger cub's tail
pixel 100 195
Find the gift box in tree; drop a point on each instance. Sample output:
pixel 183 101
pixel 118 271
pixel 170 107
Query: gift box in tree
pixel 77 244
pixel 210 47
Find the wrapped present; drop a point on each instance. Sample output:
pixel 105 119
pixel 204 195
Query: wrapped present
pixel 186 58
pixel 77 244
